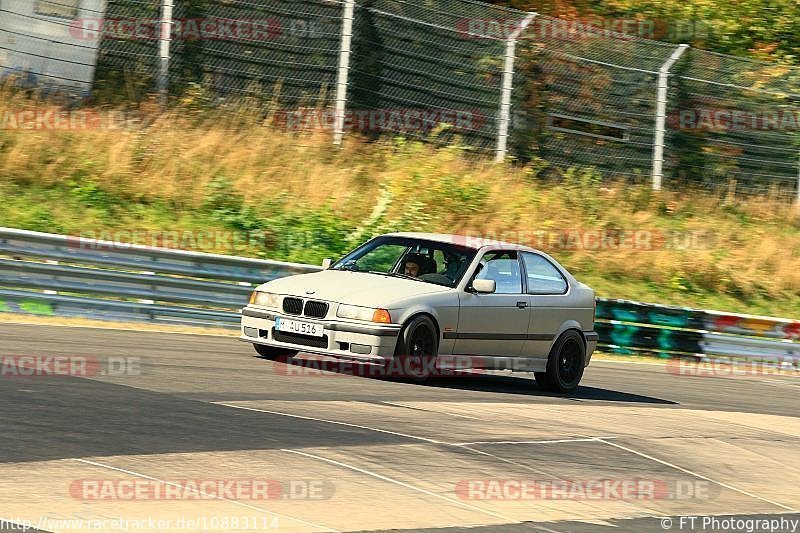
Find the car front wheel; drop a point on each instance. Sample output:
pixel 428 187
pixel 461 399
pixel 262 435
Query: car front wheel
pixel 417 348
pixel 565 364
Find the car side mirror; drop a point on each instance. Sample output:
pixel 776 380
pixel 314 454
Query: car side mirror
pixel 484 286
pixel 326 263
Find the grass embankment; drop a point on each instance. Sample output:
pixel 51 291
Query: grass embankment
pixel 225 173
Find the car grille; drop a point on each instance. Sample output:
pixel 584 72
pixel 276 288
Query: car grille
pixel 316 309
pixel 292 306
pixel 302 340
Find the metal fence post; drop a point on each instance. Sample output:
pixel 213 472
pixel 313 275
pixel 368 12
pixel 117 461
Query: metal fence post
pixel 163 49
pixel 661 115
pixel 508 84
pixel 343 71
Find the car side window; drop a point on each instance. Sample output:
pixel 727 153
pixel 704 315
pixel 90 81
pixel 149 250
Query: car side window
pixel 503 268
pixel 542 276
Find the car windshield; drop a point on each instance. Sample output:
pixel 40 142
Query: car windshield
pixel 434 262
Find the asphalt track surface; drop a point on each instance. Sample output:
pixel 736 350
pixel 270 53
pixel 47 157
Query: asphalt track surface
pixel 354 453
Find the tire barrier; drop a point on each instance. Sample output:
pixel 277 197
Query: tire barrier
pixel 628 327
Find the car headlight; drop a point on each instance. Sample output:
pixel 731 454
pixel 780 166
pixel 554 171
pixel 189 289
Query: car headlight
pixel 265 299
pixel 367 314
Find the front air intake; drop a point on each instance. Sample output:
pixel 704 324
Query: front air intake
pixel 292 306
pixel 316 309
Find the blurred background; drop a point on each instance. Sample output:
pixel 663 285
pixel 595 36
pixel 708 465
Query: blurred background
pixel 226 121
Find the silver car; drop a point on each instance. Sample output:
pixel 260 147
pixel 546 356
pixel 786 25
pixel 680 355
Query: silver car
pixel 435 301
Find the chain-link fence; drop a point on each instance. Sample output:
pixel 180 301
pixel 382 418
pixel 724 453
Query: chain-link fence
pixel 499 81
pixel 594 96
pixel 735 122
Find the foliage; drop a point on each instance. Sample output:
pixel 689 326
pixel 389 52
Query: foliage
pixel 182 171
pixel 767 29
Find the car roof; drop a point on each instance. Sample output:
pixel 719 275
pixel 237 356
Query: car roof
pixel 475 242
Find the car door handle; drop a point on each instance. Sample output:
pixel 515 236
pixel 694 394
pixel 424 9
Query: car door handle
pixel 522 305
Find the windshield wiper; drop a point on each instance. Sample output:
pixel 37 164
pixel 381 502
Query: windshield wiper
pixel 349 266
pixel 397 275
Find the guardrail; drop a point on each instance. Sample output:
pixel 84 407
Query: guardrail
pixel 628 327
pixel 47 274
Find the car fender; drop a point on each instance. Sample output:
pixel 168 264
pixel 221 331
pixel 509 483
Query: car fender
pixel 567 325
pixel 442 307
pixel 416 309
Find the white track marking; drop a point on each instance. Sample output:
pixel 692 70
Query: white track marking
pixel 463 445
pixel 781 383
pixel 406 435
pixel 549 475
pixel 235 502
pixel 660 362
pixel 431 411
pixel 508 461
pixel 542 528
pixel 695 474
pixel 403 484
pixel 555 441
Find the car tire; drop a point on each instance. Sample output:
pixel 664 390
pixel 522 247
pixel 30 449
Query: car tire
pixel 565 364
pixel 272 353
pixel 417 349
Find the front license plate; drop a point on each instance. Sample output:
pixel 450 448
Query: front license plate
pixel 301 328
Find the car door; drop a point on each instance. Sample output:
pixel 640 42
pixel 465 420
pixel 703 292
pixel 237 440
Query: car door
pixel 549 307
pixel 494 324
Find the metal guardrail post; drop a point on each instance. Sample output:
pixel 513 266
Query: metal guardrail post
pixel 508 85
pixel 345 50
pixel 165 40
pixel 797 200
pixel 661 115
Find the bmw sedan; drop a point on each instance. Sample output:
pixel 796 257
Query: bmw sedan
pixel 436 302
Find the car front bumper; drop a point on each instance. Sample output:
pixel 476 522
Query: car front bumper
pixel 361 341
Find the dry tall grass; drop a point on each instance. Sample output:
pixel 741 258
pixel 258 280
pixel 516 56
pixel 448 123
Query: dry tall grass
pixel 751 261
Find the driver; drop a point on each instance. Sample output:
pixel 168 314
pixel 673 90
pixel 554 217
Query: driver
pixel 412 266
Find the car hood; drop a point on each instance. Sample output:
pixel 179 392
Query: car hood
pixel 355 288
